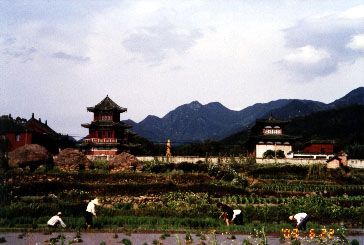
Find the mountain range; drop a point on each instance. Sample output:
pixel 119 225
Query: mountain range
pixel 196 122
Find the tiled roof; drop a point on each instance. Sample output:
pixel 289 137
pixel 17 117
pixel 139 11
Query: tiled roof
pixel 275 137
pixel 9 125
pixel 270 120
pixel 106 105
pixel 319 141
pixel 39 127
pixel 19 125
pixel 97 124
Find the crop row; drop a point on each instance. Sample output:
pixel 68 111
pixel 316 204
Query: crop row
pixel 333 189
pixel 322 210
pixel 40 188
pixel 346 201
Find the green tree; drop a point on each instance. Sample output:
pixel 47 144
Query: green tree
pixel 274 154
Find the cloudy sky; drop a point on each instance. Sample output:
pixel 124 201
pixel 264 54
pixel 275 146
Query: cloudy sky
pixel 59 57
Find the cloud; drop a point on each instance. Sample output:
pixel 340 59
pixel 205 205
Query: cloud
pixel 65 56
pixel 155 42
pixel 177 68
pixel 307 55
pixel 24 54
pixel 357 42
pixel 9 41
pixel 356 12
pixel 318 44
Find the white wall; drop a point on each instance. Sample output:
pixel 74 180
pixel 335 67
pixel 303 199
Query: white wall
pixel 193 159
pixel 354 163
pixel 260 149
pixel 294 161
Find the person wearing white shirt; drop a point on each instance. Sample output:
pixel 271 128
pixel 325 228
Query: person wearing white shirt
pixel 301 219
pixel 91 211
pixel 56 221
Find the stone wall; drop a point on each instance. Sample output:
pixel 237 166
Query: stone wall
pixel 193 159
pixel 354 163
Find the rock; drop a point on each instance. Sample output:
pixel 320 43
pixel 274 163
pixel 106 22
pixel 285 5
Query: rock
pixel 72 160
pixel 123 162
pixel 31 155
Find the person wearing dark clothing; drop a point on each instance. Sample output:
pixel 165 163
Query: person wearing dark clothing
pixel 229 215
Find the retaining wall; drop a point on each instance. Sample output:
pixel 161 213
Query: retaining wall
pixel 354 163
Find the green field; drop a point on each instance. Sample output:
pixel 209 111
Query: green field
pixel 183 197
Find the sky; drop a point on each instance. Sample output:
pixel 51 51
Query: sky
pixel 59 57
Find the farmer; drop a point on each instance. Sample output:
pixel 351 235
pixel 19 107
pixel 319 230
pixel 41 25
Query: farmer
pixel 301 219
pixel 91 211
pixel 56 221
pixel 229 215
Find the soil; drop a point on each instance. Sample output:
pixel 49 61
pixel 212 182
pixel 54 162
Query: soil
pixel 109 238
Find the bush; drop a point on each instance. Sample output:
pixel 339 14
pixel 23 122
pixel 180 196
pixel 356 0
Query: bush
pixel 274 154
pixel 354 242
pixel 222 172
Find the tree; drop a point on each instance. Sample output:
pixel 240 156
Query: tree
pixel 274 154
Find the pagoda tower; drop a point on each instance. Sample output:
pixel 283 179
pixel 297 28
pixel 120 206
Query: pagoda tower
pixel 268 134
pixel 108 136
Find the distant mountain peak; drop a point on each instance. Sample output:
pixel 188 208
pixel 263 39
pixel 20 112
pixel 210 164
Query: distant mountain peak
pixel 215 105
pixel 195 105
pixel 150 119
pixel 355 96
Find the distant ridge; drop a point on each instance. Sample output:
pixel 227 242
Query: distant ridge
pixel 343 124
pixel 356 97
pixel 196 122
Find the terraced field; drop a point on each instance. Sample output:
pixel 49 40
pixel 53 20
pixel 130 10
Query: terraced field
pixel 184 200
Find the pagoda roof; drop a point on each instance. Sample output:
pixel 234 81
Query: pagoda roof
pixel 274 137
pixel 271 120
pixel 102 144
pixel 107 104
pixel 106 124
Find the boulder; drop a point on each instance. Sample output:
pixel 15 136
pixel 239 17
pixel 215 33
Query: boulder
pixel 123 162
pixel 31 155
pixel 72 160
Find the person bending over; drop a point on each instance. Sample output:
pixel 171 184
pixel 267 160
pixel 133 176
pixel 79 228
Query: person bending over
pixel 301 219
pixel 229 215
pixel 56 221
pixel 90 212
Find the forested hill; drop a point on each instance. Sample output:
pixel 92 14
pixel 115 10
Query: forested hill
pixel 196 122
pixel 345 125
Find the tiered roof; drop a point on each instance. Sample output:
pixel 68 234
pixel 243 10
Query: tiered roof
pixel 270 121
pixel 107 105
pixel 256 133
pixel 101 124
